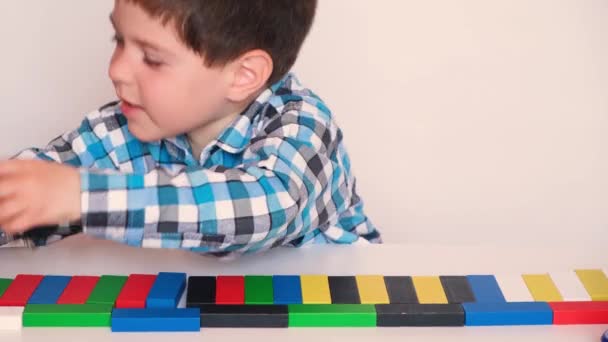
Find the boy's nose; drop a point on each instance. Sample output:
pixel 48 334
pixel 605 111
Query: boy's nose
pixel 119 71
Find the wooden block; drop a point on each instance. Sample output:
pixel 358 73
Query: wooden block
pixel 4 283
pixel 429 290
pixel 580 312
pixel 243 316
pixel 258 290
pixel 315 289
pixel 135 291
pixel 343 290
pixel 372 289
pixel 542 288
pixel 155 319
pixel 107 289
pixel 78 290
pixel 10 317
pixel 167 290
pixel 595 282
pixel 497 313
pixel 457 289
pixel 419 315
pixel 230 290
pixel 20 290
pixel 67 315
pixel 485 289
pixel 401 290
pixel 287 289
pixel 332 315
pixel 201 290
pixel 49 290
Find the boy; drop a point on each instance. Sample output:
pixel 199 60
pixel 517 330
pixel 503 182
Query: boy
pixel 213 146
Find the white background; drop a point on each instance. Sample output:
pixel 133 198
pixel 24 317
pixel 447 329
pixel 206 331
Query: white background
pixel 466 121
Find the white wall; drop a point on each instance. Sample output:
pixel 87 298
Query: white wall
pixel 468 120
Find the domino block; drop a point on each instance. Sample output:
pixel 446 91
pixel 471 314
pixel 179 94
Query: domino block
pixel 201 290
pixel 287 289
pixel 343 290
pixel 78 290
pixel 419 315
pixel 429 290
pixel 230 290
pixel 332 315
pixel 135 291
pixel 542 288
pixel 258 290
pixel 518 313
pixel 400 290
pixel 457 289
pixel 595 283
pixel 372 289
pixel 580 312
pixel 315 289
pixel 243 316
pixel 107 289
pixel 49 290
pixel 155 319
pixel 20 290
pixel 67 315
pixel 485 289
pixel 11 317
pixel 167 290
pixel 4 283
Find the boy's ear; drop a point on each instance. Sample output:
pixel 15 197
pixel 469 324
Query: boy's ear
pixel 249 73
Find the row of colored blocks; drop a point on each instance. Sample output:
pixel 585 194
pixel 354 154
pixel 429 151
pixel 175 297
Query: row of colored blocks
pixel 235 300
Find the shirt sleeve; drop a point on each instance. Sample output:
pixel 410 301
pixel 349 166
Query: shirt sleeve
pixel 279 193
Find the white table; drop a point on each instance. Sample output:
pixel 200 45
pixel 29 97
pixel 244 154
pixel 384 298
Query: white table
pixel 80 255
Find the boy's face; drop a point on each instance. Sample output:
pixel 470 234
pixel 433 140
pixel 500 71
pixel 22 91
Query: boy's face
pixel 170 90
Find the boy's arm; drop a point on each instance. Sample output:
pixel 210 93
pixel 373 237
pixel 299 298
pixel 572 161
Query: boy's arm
pixel 252 207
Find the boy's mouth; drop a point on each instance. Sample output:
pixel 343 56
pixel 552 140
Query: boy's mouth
pixel 128 108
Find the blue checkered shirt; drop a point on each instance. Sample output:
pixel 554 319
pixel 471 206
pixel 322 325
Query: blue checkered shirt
pixel 278 175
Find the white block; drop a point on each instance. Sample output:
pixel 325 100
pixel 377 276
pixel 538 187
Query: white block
pixel 570 286
pixel 513 288
pixel 11 318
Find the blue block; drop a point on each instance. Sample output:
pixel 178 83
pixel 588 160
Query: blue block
pixel 513 313
pixel 166 290
pixel 486 289
pixel 156 319
pixel 49 290
pixel 287 289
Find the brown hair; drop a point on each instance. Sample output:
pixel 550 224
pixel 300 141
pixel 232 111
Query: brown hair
pixel 222 30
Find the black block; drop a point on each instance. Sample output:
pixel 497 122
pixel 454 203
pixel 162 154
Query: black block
pixel 457 289
pixel 201 290
pixel 400 290
pixel 343 290
pixel 244 316
pixel 419 315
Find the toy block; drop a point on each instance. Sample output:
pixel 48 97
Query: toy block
pixel 167 290
pixel 78 290
pixel 595 282
pixel 135 291
pixel 315 289
pixel 230 290
pixel 343 290
pixel 419 315
pixel 457 289
pixel 258 290
pixel 287 289
pixel 243 316
pixel 156 319
pixel 495 313
pixel 513 287
pixel 429 290
pixel 20 290
pixel 4 283
pixel 542 288
pixel 49 290
pixel 11 318
pixel 580 312
pixel 485 289
pixel 570 286
pixel 107 289
pixel 332 315
pixel 201 290
pixel 67 315
pixel 400 290
pixel 372 289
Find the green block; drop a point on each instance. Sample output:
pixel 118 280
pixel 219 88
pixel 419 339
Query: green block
pixel 258 290
pixel 67 315
pixel 332 315
pixel 4 283
pixel 107 289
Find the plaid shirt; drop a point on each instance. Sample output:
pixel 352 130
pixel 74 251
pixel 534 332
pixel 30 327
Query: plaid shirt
pixel 278 175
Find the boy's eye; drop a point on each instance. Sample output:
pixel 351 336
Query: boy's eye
pixel 151 62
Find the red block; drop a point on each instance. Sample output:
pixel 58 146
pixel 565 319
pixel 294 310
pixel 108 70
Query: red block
pixel 580 312
pixel 20 290
pixel 78 290
pixel 133 295
pixel 230 290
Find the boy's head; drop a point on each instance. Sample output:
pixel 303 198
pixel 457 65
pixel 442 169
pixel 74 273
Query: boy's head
pixel 190 66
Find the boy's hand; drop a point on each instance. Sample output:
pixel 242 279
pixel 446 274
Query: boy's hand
pixel 37 193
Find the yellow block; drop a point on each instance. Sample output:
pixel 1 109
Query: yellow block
pixel 429 290
pixel 315 289
pixel 595 283
pixel 542 288
pixel 372 289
